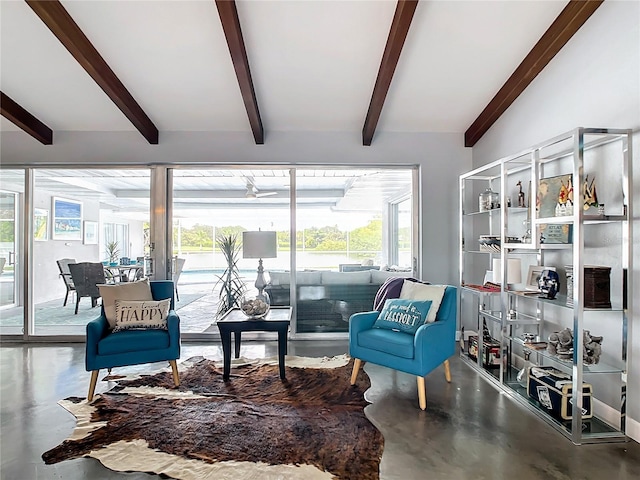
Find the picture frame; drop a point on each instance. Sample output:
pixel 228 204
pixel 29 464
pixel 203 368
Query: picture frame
pixel 67 219
pixel 90 232
pixel 533 275
pixel 553 192
pixel 40 224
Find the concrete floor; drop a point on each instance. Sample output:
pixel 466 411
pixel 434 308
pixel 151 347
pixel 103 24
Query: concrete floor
pixel 469 430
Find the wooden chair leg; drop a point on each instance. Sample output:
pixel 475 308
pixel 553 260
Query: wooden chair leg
pixel 447 371
pixel 174 371
pixel 356 368
pixel 422 393
pixel 92 384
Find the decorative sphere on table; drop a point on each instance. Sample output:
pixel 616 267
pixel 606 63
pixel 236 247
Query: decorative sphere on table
pixel 255 306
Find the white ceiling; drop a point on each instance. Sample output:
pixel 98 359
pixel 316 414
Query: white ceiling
pixel 313 63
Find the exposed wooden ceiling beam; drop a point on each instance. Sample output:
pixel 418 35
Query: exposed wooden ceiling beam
pixel 233 33
pixel 397 35
pixel 23 119
pixel 54 15
pixel 572 17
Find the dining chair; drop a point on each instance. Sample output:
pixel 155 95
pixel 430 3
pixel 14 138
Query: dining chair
pixel 86 277
pixel 65 274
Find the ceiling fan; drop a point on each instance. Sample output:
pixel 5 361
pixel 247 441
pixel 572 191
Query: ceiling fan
pixel 253 192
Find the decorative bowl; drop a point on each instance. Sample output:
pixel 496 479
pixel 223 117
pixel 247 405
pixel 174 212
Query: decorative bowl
pixel 113 264
pixel 255 307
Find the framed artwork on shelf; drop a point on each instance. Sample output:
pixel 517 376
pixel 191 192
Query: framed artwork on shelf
pixel 40 224
pixel 556 233
pixel 534 275
pixel 90 233
pixel 67 219
pixel 555 196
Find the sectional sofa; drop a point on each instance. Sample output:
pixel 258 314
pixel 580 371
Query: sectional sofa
pixel 326 299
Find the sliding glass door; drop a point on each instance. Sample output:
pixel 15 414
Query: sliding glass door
pixel 11 222
pixel 208 206
pixel 348 242
pixel 78 214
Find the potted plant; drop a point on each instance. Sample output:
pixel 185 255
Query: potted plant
pixel 113 252
pixel 232 288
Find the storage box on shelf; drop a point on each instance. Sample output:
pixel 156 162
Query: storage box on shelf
pixel 557 222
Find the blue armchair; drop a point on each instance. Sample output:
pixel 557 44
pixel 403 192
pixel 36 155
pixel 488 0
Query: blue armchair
pixel 105 349
pixel 432 344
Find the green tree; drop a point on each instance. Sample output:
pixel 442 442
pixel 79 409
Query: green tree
pixel 367 238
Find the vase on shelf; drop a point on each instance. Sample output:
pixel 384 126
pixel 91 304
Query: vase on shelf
pixel 488 200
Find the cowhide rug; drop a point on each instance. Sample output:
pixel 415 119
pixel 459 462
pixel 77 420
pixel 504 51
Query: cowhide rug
pixel 254 426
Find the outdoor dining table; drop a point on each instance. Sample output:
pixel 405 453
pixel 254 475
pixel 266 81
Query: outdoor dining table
pixel 123 272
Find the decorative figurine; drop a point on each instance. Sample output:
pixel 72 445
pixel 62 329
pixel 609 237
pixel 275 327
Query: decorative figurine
pixel 549 284
pixel 590 198
pixel 521 202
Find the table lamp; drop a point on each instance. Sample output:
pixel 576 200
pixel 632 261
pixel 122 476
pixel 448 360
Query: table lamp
pixel 259 245
pixel 514 271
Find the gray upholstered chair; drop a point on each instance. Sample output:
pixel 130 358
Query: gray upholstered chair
pixel 86 277
pixel 65 274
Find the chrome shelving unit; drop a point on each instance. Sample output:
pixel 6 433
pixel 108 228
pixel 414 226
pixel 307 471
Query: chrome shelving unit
pixel 593 237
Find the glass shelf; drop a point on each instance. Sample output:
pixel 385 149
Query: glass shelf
pixel 476 291
pixel 519 318
pixel 562 301
pixel 495 315
pixel 481 213
pixel 593 219
pixel 587 219
pixel 566 365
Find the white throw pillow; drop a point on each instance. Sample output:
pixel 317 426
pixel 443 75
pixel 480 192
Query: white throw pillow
pixel 280 278
pixel 346 278
pixel 140 290
pixel 420 291
pixel 141 315
pixel 308 278
pixel 380 276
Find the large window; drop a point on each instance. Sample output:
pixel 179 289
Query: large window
pixel 345 233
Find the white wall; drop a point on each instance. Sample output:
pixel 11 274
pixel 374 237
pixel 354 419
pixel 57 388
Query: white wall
pixel 441 158
pixel 593 82
pixel 47 285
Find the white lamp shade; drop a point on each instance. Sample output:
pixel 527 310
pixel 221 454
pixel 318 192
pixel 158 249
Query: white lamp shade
pixel 514 271
pixel 259 245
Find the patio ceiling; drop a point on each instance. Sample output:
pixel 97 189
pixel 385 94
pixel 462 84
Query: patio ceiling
pixel 127 190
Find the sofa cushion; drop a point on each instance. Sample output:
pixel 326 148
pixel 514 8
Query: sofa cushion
pixel 139 290
pixel 346 278
pixel 403 315
pixel 141 314
pixel 133 341
pixel 280 278
pixel 308 278
pixel 379 277
pixel 420 291
pixel 398 344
